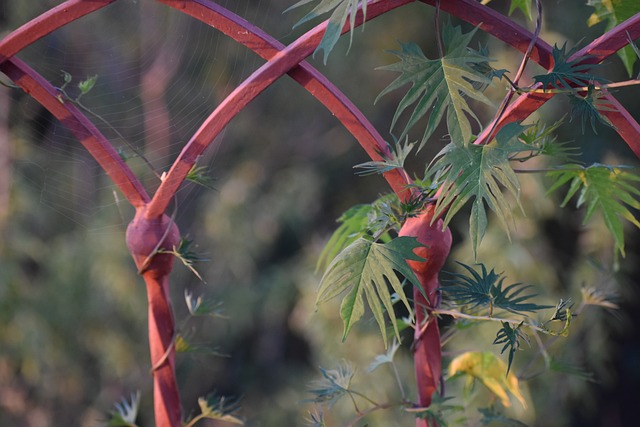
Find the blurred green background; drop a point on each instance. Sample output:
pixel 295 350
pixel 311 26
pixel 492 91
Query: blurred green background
pixel 73 310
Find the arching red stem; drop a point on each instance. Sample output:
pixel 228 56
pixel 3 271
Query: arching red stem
pixel 291 60
pixel 82 128
pixel 428 353
pixel 145 236
pixel 46 23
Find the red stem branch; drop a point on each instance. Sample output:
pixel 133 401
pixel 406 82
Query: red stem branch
pixel 82 128
pixel 282 60
pixel 145 237
pixel 46 23
pixel 291 60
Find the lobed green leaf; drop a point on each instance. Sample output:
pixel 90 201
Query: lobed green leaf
pixel 588 107
pixel 366 269
pixel 342 9
pixel 568 74
pixel 486 289
pixel 125 413
pixel 478 172
pixel 512 339
pixel 334 384
pixel 607 189
pixel 439 86
pixel 215 407
pixel 613 13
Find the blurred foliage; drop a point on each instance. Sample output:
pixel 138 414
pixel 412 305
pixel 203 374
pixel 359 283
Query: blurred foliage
pixel 73 310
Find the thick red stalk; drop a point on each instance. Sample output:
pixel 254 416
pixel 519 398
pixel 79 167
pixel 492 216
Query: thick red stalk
pixel 145 236
pixel 46 23
pixel 426 344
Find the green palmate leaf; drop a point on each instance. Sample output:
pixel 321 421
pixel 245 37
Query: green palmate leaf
pixel 523 5
pixel 491 417
pixel 342 9
pixel 334 384
pixel 589 107
pixel 215 407
pixel 439 412
pixel 198 175
pixel 399 153
pixel 486 289
pixel 85 86
pixel 373 220
pixel 366 268
pixel 381 359
pixel 478 172
pixel 567 74
pixel 125 413
pixel 610 190
pixel 614 12
pixel 354 224
pixel 439 86
pixel 512 339
pixel 546 143
pixel 387 214
pixel 577 371
pixel 485 68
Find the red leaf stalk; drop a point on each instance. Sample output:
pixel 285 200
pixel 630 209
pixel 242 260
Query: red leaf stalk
pixel 426 343
pixel 145 236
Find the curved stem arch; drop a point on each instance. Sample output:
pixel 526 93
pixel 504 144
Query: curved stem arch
pixel 47 95
pixel 291 60
pixel 82 128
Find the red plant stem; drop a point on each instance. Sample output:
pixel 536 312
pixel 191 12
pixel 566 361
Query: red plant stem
pixel 595 52
pixel 426 344
pixel 46 23
pixel 82 128
pixel 145 237
pixel 497 25
pixel 283 60
pixel 166 398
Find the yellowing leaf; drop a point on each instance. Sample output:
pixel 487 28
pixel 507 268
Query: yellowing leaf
pixel 490 371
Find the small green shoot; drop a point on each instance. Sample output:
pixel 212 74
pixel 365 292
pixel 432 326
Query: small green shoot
pixel 125 412
pixel 215 407
pixel 184 253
